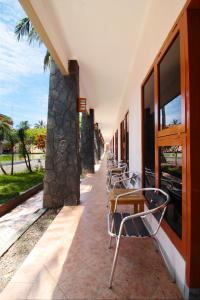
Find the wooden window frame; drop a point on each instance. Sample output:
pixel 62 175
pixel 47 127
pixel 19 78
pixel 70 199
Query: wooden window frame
pixel 173 135
pixel 116 145
pixel 177 29
pixel 123 138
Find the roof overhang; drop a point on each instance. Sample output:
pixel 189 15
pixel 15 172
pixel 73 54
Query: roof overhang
pixel 103 37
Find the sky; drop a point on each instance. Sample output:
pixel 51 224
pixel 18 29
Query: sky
pixel 23 83
pixel 173 111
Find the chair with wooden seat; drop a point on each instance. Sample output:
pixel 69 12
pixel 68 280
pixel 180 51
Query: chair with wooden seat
pixel 126 180
pixel 135 225
pixel 115 171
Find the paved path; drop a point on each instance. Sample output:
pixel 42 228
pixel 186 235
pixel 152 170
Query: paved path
pixel 72 259
pixel 21 166
pixel 15 223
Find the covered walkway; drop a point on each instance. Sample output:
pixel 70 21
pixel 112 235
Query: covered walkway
pixel 72 260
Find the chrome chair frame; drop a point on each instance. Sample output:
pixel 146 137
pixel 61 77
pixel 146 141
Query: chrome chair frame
pixel 141 215
pixel 120 179
pixel 111 172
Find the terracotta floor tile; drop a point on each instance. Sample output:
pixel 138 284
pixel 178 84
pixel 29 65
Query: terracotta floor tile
pixel 72 259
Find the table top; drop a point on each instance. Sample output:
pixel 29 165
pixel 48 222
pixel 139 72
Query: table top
pixel 116 170
pixel 135 196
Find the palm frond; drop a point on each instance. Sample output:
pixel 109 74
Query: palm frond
pixel 25 29
pixel 47 61
pixel 22 29
pixel 34 37
pixel 4 129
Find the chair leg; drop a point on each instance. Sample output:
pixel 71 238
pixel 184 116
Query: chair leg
pixel 110 240
pixel 114 262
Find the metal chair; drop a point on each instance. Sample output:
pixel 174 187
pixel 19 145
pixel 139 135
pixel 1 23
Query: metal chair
pixel 126 180
pixel 122 224
pixel 115 171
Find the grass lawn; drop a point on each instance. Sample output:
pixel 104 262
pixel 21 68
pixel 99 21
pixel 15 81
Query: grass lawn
pixel 12 185
pixel 4 158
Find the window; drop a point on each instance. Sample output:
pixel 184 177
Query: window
pixel 124 134
pixel 149 133
pixel 170 99
pixel 171 182
pixel 164 133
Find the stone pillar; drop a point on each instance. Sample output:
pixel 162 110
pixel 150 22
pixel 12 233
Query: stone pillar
pixel 87 142
pixel 99 144
pixel 62 177
pixel 95 148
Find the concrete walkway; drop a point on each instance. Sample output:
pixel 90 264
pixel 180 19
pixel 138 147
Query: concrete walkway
pixel 20 166
pixel 72 260
pixel 15 223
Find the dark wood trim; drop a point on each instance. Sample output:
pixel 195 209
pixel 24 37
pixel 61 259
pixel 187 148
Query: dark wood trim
pixel 116 144
pixel 167 136
pixel 142 119
pixel 185 134
pixel 123 139
pixel 192 20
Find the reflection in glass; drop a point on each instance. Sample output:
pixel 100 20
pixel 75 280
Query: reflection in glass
pixel 171 182
pixel 149 133
pixel 170 98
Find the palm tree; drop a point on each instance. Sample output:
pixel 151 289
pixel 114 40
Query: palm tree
pixel 12 138
pixel 25 29
pixel 40 124
pixel 24 124
pixel 21 132
pixel 4 129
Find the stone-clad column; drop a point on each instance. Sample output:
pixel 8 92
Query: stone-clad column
pixel 62 178
pixel 87 142
pixel 97 144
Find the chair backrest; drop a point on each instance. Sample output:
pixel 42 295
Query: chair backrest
pixel 129 179
pixel 157 201
pixel 156 206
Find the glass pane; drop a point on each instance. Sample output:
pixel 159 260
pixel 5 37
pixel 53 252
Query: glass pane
pixel 149 139
pixel 170 87
pixel 171 182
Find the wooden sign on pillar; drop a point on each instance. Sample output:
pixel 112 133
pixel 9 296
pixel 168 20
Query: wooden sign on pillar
pixel 81 105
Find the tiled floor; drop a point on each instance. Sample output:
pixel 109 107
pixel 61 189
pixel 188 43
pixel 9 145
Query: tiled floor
pixel 13 224
pixel 72 260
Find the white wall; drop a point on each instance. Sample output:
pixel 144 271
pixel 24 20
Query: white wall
pixel 159 20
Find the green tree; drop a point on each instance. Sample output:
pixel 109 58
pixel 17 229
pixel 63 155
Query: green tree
pixel 4 129
pixel 12 139
pixel 40 124
pixel 32 135
pixel 24 124
pixel 21 132
pixel 25 29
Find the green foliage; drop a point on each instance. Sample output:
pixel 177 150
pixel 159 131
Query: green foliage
pixel 24 125
pixel 33 133
pixel 4 128
pixel 40 124
pixel 174 171
pixel 25 29
pixel 22 135
pixel 12 137
pixel 11 186
pixel 19 157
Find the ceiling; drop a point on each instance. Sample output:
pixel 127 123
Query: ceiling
pixel 103 36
